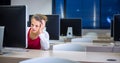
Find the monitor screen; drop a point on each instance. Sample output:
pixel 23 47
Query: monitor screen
pixel 111 28
pixel 52 26
pixel 74 23
pixel 14 20
pixel 116 26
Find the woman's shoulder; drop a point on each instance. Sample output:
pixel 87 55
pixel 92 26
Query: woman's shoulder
pixel 45 32
pixel 27 29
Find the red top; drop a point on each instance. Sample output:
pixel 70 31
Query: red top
pixel 33 44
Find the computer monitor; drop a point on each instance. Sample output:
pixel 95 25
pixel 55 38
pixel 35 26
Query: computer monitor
pixel 52 26
pixel 14 20
pixel 116 26
pixel 111 28
pixel 74 23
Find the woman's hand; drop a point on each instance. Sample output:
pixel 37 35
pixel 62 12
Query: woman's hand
pixel 42 26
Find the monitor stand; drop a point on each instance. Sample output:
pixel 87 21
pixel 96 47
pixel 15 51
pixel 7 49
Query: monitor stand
pixel 116 47
pixel 117 43
pixel 1 52
pixel 69 32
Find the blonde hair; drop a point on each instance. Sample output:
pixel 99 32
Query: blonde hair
pixel 39 17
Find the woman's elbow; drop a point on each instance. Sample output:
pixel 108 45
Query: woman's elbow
pixel 47 47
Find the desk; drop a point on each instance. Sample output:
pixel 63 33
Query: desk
pixel 93 57
pixel 103 41
pixel 93 47
pixel 100 39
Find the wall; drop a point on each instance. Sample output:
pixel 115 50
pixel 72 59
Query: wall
pixel 45 7
pixel 35 6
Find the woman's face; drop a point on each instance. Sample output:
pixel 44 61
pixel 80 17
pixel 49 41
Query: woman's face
pixel 35 25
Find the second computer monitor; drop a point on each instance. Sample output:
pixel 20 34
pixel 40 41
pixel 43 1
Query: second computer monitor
pixel 74 23
pixel 53 26
pixel 116 27
pixel 13 18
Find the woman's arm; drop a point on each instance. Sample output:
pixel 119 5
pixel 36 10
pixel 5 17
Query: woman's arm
pixel 27 29
pixel 44 36
pixel 44 40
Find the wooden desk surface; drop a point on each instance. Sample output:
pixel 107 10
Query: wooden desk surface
pixel 86 43
pixel 103 41
pixel 16 56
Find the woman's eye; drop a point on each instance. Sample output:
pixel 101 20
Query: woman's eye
pixel 32 25
pixel 37 26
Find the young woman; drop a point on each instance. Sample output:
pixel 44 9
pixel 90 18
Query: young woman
pixel 37 36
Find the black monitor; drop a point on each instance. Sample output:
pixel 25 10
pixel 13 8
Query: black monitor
pixel 52 26
pixel 14 20
pixel 74 23
pixel 116 27
pixel 111 28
